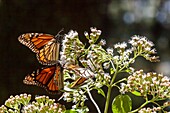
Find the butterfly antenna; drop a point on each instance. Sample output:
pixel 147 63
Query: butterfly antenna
pixel 62 29
pixel 58 36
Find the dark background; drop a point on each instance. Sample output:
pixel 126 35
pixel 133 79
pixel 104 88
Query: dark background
pixel 118 20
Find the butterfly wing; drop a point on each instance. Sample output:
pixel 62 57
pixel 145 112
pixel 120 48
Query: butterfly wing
pixel 46 46
pixel 80 71
pixel 78 82
pixel 49 78
pixel 83 74
pixel 49 54
pixel 35 41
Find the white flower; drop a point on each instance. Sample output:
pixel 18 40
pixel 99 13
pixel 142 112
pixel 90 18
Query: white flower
pixel 128 51
pixel 75 34
pixel 135 37
pixel 151 44
pixel 165 79
pixel 154 79
pixel 147 48
pixel 86 33
pixel 70 34
pixel 121 45
pixel 65 95
pixel 92 35
pixel 103 42
pixel 81 92
pixel 93 29
pixel 131 41
pixel 99 32
pixel 116 57
pixel 98 85
pixel 106 65
pixel 153 51
pixel 131 69
pixel 74 107
pixel 84 98
pixel 107 75
pixel 110 51
pixel 122 90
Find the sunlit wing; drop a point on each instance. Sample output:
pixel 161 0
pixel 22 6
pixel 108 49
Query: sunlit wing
pixel 45 46
pixel 35 41
pixel 49 54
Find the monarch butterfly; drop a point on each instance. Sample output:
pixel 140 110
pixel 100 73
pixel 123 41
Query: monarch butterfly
pixel 45 46
pixel 49 78
pixel 83 74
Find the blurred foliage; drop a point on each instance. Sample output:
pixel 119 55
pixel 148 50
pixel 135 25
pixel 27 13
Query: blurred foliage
pixel 118 20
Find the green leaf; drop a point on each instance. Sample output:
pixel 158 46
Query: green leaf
pixel 100 91
pixel 71 111
pixel 122 104
pixel 136 93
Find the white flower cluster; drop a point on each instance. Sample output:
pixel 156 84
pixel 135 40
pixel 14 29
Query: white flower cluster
pixel 78 97
pixel 83 62
pixel 144 47
pixel 43 104
pixel 13 101
pixel 150 110
pixel 140 46
pixel 94 35
pixel 72 48
pixel 124 57
pixel 21 103
pixel 151 83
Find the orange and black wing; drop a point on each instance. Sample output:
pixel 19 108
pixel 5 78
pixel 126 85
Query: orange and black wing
pixel 46 46
pixel 50 78
pixel 35 41
pixel 49 54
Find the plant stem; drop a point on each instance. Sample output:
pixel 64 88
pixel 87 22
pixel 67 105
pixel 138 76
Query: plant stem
pixel 97 107
pixel 134 111
pixel 124 79
pixel 107 99
pixel 109 92
pixel 111 83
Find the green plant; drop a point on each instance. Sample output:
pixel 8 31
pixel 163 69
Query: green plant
pixel 99 67
pixel 103 66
